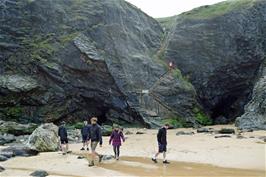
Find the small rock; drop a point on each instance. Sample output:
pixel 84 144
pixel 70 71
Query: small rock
pixel 107 157
pixel 240 137
pixel 128 133
pixel 252 137
pixel 2 169
pixel 3 158
pixel 203 130
pixel 184 133
pixel 39 173
pixel 18 151
pixel 227 131
pixel 80 157
pixel 222 136
pixel 139 133
pixel 6 138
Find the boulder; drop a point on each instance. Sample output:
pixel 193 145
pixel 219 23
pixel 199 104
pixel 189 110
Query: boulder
pixel 184 133
pixel 44 138
pixel 18 150
pixel 227 131
pixel 6 138
pixel 2 169
pixel 3 158
pixel 17 128
pixel 107 130
pixel 203 130
pixel 222 136
pixel 39 173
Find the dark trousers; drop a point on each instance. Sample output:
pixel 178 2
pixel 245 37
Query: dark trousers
pixel 116 150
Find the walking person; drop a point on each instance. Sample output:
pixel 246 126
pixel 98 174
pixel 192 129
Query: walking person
pixel 116 138
pixel 62 133
pixel 162 144
pixel 85 135
pixel 95 136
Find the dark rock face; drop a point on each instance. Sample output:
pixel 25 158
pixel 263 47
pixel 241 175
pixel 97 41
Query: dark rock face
pixel 39 173
pixel 6 138
pixel 255 111
pixel 20 150
pixel 220 53
pixel 69 60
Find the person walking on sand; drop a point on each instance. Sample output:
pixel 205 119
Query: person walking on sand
pixel 85 136
pixel 62 133
pixel 162 143
pixel 95 136
pixel 115 139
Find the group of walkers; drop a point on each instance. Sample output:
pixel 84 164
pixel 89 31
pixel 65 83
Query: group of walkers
pixel 92 133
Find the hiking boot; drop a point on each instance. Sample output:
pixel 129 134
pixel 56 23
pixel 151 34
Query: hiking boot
pixel 91 164
pixel 100 158
pixel 82 149
pixel 88 149
pixel 117 158
pixel 154 160
pixel 166 162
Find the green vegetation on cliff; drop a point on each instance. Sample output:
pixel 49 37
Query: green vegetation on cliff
pixel 219 9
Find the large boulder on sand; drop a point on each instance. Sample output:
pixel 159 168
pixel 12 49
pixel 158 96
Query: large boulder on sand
pixel 44 138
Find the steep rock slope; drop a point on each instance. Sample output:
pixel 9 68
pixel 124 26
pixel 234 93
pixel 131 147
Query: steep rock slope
pixel 72 59
pixel 219 49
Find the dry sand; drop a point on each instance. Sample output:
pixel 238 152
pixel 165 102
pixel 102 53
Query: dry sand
pixel 191 155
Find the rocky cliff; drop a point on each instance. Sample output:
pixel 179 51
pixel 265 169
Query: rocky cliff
pixel 219 49
pixel 73 59
pixel 69 60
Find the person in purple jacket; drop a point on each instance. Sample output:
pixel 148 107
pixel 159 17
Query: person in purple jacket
pixel 116 140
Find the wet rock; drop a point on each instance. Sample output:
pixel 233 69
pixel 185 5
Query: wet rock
pixel 108 157
pixel 203 130
pixel 21 150
pixel 80 157
pixel 227 131
pixel 3 158
pixel 6 138
pixel 16 128
pixel 2 169
pixel 44 138
pixel 184 133
pixel 223 136
pixel 255 111
pixel 107 130
pixel 39 173
pixel 140 132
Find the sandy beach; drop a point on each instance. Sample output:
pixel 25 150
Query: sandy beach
pixel 190 155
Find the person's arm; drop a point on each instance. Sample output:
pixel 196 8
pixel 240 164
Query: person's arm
pixel 159 136
pixel 111 138
pixel 122 136
pixel 100 136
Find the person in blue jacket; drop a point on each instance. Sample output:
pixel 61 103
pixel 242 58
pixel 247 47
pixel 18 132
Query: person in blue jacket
pixel 62 133
pixel 85 135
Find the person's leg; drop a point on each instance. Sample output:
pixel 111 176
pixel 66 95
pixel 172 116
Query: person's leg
pixel 114 148
pixel 118 152
pixel 164 156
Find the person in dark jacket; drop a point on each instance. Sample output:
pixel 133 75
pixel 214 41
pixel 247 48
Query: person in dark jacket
pixel 62 133
pixel 85 135
pixel 162 143
pixel 115 139
pixel 95 136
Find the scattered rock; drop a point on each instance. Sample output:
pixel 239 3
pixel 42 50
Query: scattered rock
pixel 222 136
pixel 240 137
pixel 139 133
pixel 80 157
pixel 107 130
pixel 252 137
pixel 6 138
pixel 3 158
pixel 128 132
pixel 39 173
pixel 44 138
pixel 2 169
pixel 184 133
pixel 227 131
pixel 16 128
pixel 263 138
pixel 21 150
pixel 203 130
pixel 108 157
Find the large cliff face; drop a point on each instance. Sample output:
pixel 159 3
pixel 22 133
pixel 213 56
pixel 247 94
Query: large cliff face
pixel 66 59
pixel 219 49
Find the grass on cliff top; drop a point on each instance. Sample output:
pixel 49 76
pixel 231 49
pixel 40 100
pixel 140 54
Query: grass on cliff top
pixel 167 22
pixel 218 9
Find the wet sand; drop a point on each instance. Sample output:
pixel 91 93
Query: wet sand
pixel 190 155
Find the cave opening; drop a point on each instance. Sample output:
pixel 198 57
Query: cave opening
pixel 226 110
